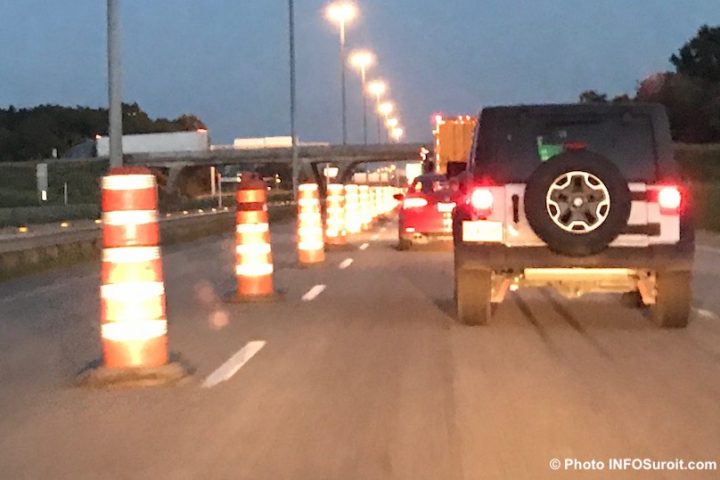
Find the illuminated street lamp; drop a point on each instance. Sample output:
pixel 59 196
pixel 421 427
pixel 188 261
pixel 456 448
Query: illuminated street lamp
pixel 341 13
pixel 392 123
pixel 377 88
pixel 361 60
pixel 386 108
pixel 397 133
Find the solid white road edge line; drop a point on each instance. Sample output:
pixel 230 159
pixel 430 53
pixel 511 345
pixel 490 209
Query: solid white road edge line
pixel 346 263
pixel 706 313
pixel 226 371
pixel 364 246
pixel 313 293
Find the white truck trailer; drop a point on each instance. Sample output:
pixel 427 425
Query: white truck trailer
pixel 171 142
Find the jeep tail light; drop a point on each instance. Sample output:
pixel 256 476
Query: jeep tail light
pixel 481 199
pixel 669 199
pixel 414 202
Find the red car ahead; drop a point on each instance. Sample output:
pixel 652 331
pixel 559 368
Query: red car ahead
pixel 425 211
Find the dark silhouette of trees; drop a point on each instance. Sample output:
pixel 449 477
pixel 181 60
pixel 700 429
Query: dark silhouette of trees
pixel 693 105
pixel 699 58
pixel 591 96
pixel 691 94
pixel 33 133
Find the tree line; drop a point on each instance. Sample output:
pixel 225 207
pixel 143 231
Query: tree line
pixel 33 133
pixel 691 93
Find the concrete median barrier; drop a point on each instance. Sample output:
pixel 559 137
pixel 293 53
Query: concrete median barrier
pixel 28 253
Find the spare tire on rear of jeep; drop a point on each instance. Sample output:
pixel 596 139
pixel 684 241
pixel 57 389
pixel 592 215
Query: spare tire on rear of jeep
pixel 577 202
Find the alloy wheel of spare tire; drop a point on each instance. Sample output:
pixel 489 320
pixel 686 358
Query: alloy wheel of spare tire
pixel 577 202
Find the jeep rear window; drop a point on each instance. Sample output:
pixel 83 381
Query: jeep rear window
pixel 517 144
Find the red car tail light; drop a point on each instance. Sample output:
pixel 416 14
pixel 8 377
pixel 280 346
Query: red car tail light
pixel 669 199
pixel 414 202
pixel 481 199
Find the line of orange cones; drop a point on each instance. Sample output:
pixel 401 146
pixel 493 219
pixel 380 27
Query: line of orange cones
pixel 133 315
pixel 348 210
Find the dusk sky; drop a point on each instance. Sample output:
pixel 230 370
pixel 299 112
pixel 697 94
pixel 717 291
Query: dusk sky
pixel 227 60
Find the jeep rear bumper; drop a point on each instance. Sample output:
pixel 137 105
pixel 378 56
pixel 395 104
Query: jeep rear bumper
pixel 501 258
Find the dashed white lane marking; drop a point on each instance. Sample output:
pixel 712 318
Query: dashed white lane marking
pixel 364 246
pixel 376 236
pixel 704 248
pixel 313 293
pixel 706 313
pixel 346 263
pixel 226 371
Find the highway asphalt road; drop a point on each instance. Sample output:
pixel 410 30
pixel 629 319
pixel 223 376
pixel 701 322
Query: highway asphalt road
pixel 372 378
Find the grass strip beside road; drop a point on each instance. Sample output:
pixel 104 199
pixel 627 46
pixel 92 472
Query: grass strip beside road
pixel 704 201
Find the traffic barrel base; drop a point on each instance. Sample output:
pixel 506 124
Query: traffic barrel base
pixel 235 297
pixel 172 373
pixel 253 251
pixel 311 258
pixel 133 325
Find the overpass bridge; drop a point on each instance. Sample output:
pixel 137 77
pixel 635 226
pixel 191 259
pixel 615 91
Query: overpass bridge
pixel 311 157
pixel 345 157
pixel 337 154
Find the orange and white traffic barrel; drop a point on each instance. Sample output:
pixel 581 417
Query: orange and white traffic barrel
pixel 383 200
pixel 377 200
pixel 310 241
pixel 253 252
pixel 335 231
pixel 365 207
pixel 132 292
pixel 353 215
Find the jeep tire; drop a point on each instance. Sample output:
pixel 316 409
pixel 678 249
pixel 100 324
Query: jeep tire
pixel 567 242
pixel 672 303
pixel 473 288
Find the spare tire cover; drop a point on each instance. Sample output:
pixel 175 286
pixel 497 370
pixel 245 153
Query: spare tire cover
pixel 577 202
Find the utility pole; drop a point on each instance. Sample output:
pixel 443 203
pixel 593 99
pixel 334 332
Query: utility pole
pixel 114 82
pixel 293 130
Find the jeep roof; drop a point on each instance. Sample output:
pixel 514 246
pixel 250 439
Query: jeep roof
pixel 514 140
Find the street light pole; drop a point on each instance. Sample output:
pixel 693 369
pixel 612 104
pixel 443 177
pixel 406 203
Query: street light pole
pixel 377 88
pixel 341 12
pixel 364 97
pixel 379 122
pixel 343 59
pixel 385 109
pixel 293 133
pixel 114 83
pixel 362 60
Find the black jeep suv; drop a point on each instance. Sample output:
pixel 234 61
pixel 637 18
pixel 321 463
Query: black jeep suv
pixel 579 197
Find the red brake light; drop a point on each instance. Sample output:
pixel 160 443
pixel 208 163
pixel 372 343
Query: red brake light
pixel 669 199
pixel 575 145
pixel 482 200
pixel 414 202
